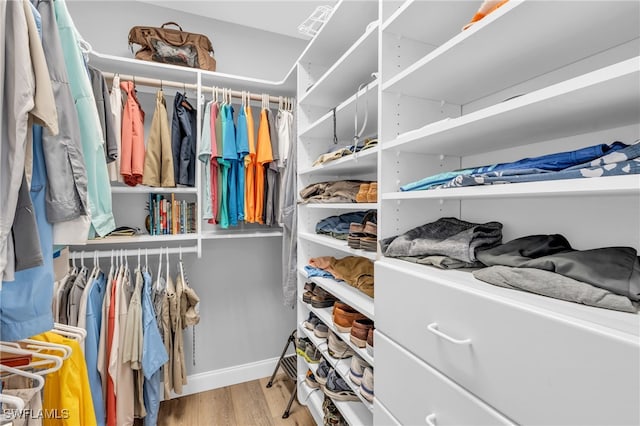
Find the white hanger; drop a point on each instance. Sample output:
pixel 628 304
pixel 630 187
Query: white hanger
pixel 17 403
pixel 37 378
pixel 146 259
pixel 76 333
pixel 167 280
pixel 47 358
pixel 159 268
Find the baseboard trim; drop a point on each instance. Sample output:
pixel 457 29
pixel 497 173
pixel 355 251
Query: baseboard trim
pixel 215 379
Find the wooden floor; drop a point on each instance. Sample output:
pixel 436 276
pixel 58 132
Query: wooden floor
pixel 249 403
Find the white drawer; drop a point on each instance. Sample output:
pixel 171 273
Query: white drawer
pixel 382 416
pixel 417 394
pixel 534 366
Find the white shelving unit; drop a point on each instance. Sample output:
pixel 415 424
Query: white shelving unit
pixel 335 89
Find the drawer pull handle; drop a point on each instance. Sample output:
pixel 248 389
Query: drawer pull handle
pixel 431 419
pixel 433 327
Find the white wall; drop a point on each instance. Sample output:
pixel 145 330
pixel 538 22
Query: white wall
pixel 238 49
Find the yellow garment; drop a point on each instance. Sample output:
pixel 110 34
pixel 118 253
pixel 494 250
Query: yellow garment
pixel 250 170
pixel 66 391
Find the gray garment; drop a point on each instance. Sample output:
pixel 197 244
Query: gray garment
pixel 616 269
pixel 63 315
pixel 284 124
pixel 447 236
pixel 27 251
pixel 442 262
pixel 75 294
pixel 341 191
pixel 554 285
pixel 67 197
pixel 272 172
pixel 290 227
pixel 103 103
pixel 32 406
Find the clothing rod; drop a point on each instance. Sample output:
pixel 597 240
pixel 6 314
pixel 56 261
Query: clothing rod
pixel 154 82
pixel 89 254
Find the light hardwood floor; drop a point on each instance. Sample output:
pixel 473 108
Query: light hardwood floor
pixel 249 404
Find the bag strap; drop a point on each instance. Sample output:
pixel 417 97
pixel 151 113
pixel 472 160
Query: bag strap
pixel 171 23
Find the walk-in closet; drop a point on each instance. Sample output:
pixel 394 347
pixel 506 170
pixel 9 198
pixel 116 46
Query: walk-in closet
pixel 351 212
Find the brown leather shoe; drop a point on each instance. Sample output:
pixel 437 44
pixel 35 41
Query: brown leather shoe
pixel 360 331
pixel 361 196
pixel 308 294
pixel 372 195
pixel 322 298
pixel 344 315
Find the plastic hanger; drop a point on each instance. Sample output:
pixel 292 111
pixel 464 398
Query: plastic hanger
pixel 15 371
pixel 76 333
pixel 166 285
pixel 158 277
pixel 17 403
pixel 46 358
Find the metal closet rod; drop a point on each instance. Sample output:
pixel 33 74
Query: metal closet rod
pixel 154 82
pixel 89 254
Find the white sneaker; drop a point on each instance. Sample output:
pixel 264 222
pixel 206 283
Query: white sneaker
pixel 366 385
pixel 357 369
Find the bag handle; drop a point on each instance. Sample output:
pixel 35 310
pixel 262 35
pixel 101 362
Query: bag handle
pixel 171 23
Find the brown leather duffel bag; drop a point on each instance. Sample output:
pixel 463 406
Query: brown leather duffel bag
pixel 172 46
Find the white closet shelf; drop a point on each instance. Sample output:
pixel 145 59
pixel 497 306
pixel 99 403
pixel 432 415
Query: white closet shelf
pixel 215 235
pixel 325 316
pixel 341 206
pixel 342 366
pixel 624 325
pixel 515 43
pixel 361 162
pixel 345 112
pixel 312 398
pixel 602 99
pixel 343 26
pixel 601 187
pixel 136 239
pixel 356 65
pixel 347 294
pixel 440 20
pixel 141 189
pixel 336 244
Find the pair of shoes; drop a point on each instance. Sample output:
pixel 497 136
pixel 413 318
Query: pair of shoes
pixel 316 325
pixel 372 195
pixel 322 298
pixel 367 230
pixel 308 351
pixel 357 369
pixel 308 292
pixel 337 348
pixel 337 389
pixel 310 380
pixel 332 416
pixel 368 193
pixel 366 385
pixel 322 372
pixel 360 330
pixel 344 315
pixel 370 342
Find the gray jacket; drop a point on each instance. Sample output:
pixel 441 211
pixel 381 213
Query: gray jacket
pixel 66 172
pixel 103 103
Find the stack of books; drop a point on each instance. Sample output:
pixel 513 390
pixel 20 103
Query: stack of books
pixel 170 216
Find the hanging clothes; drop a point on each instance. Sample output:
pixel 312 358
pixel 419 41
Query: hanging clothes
pixel 290 226
pixel 103 104
pixel 124 384
pixel 111 372
pixel 242 150
pixel 132 344
pixel 230 154
pixel 67 390
pixel 205 156
pixel 168 306
pixel 250 169
pixel 95 300
pixel 224 166
pixel 214 172
pixel 264 156
pixel 272 182
pixel 284 123
pixel 183 140
pixel 115 99
pixel 27 96
pixel 99 190
pixel 158 161
pixel 132 162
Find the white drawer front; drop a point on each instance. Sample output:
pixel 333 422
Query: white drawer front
pixel 417 394
pixel 535 368
pixel 382 416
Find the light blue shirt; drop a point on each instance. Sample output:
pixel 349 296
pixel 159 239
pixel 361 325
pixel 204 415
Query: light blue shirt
pixel 91 343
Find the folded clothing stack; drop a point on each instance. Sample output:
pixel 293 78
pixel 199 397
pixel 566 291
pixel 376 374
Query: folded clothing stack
pixel 355 271
pixel 342 191
pixel 338 226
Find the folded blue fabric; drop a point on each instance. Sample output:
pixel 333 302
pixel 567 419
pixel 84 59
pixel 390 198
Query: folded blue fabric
pixel 317 272
pixel 534 165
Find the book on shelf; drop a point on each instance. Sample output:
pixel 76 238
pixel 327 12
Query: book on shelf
pixel 168 216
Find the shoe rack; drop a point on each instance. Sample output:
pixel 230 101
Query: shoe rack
pixel 335 83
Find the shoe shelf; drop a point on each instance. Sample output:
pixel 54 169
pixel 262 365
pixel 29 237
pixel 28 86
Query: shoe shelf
pixel 336 245
pixel 342 366
pixel 439 20
pixel 623 325
pixel 322 128
pixel 566 108
pixel 341 206
pixel 598 186
pixel 312 398
pixel 356 65
pixel 346 293
pixel 141 189
pixel 361 162
pixel 574 33
pixel 325 316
